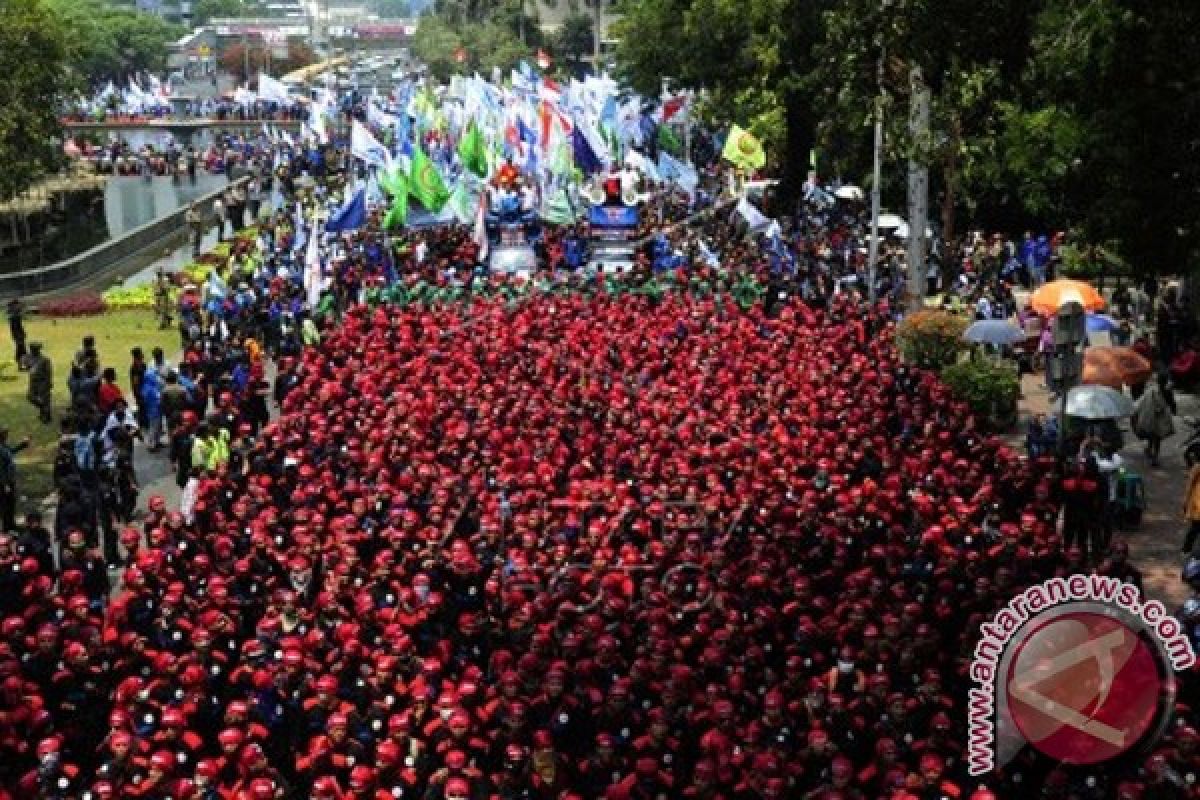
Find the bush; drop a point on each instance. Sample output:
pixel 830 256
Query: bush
pixel 121 298
pixel 83 304
pixel 930 339
pixel 990 388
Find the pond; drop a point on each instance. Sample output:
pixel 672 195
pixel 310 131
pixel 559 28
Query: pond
pixel 89 219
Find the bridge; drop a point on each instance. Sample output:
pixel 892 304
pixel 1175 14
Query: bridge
pixel 182 129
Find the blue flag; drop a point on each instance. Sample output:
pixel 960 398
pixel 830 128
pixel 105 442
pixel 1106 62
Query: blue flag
pixel 525 133
pixel 350 216
pixel 585 156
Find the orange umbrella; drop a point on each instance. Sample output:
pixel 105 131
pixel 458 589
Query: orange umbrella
pixel 1115 367
pixel 1051 296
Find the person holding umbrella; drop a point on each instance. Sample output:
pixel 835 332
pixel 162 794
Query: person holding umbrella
pixel 1152 416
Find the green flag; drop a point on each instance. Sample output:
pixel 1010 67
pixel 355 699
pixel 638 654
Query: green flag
pixel 426 184
pixel 667 140
pixel 463 201
pixel 397 215
pixel 394 182
pixel 472 152
pixel 557 208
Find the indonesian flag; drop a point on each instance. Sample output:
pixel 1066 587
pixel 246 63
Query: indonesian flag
pixel 673 105
pixel 550 92
pixel 543 59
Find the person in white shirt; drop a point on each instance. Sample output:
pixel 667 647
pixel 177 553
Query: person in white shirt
pixel 1110 464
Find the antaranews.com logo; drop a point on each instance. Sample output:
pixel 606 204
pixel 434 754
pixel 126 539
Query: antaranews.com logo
pixel 1080 667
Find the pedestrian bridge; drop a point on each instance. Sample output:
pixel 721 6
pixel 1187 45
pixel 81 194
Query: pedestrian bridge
pixel 182 129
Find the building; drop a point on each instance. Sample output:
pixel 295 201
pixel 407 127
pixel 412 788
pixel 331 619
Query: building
pixel 178 12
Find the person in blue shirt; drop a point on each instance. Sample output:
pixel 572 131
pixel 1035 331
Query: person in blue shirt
pixel 1041 256
pixel 1028 257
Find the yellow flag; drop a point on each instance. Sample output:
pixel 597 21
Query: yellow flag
pixel 743 150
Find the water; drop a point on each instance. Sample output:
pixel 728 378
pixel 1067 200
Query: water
pixel 132 201
pixel 89 220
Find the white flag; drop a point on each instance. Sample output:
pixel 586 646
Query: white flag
pixel 271 90
pixel 312 267
pixel 365 146
pixel 755 219
pixel 479 235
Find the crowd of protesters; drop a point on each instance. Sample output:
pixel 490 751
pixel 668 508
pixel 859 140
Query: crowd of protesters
pixel 694 533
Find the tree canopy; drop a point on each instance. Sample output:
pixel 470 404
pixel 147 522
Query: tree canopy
pixel 1050 114
pixel 110 43
pixel 466 35
pixel 33 49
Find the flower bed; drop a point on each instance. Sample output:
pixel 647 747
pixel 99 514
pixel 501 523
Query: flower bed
pixel 81 304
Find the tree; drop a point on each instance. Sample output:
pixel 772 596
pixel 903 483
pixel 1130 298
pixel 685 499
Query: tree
pixel 33 53
pixel 574 40
pixel 971 54
pixel 205 10
pixel 256 56
pixel 435 44
pixel 442 38
pixel 1122 76
pixel 109 43
pixel 752 59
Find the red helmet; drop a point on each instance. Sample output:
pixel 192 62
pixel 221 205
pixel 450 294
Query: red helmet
pixel 207 768
pixel 327 684
pixel 457 789
pixel 262 789
pixel 48 746
pixel 163 760
pixel 230 738
pixel 325 788
pixel 361 777
pixel 388 752
pixel 173 718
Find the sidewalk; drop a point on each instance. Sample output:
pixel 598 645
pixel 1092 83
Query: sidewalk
pixel 1154 547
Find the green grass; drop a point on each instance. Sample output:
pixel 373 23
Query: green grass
pixel 116 333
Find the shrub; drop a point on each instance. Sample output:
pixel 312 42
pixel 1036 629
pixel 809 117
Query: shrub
pixel 930 339
pixel 82 304
pixel 121 298
pixel 989 387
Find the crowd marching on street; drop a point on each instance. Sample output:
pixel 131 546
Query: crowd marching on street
pixel 693 531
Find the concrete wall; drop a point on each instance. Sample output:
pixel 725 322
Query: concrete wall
pixel 101 262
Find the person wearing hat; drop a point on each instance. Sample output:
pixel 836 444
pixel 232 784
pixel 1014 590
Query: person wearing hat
pixel 41 382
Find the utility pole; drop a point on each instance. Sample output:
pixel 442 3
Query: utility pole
pixel 918 190
pixel 596 38
pixel 876 177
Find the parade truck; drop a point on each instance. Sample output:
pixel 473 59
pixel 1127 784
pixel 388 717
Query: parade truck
pixel 613 222
pixel 512 230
